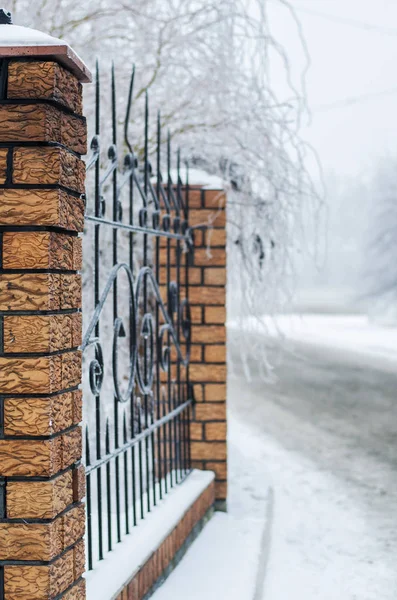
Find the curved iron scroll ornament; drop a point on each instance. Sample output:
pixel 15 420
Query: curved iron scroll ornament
pixel 140 449
pixel 96 368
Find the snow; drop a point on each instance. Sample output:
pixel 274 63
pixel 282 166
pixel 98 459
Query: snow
pixel 16 35
pixel 222 563
pixel 120 565
pixel 294 531
pixel 306 520
pixel 209 182
pixel 199 177
pixel 319 541
pixel 228 559
pixel 353 335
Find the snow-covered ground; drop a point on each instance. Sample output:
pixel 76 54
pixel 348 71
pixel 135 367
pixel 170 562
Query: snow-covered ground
pixel 313 462
pixel 351 334
pixel 228 560
pixel 327 430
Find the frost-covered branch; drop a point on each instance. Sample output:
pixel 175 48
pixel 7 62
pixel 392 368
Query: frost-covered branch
pixel 208 66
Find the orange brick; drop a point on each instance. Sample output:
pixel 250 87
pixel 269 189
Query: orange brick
pixel 198 393
pixel 215 354
pixel 194 197
pixel 215 277
pixel 215 256
pixel 208 451
pixel 211 411
pixel 195 275
pixel 196 431
pixel 199 464
pixel 215 393
pixel 219 468
pixel 207 217
pixel 196 354
pixel 214 237
pixel 207 372
pixel 208 295
pixel 215 314
pixel 209 334
pixel 197 314
pixel 215 432
pixel 221 490
pixel 215 198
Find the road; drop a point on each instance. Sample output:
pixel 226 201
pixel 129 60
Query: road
pixel 328 434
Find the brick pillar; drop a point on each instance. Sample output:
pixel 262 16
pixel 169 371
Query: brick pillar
pixel 208 359
pixel 42 136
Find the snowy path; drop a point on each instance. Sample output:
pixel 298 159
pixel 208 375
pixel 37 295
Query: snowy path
pixel 313 462
pixel 327 433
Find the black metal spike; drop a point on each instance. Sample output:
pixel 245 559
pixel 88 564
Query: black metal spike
pixel 169 157
pixel 158 153
pixel 114 123
pixel 146 156
pixel 97 99
pixel 128 112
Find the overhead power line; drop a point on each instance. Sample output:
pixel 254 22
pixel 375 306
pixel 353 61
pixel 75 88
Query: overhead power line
pixel 350 22
pixel 350 101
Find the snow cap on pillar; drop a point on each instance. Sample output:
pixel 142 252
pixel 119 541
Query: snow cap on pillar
pixel 17 41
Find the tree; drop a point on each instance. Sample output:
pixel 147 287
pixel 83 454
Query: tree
pixel 207 67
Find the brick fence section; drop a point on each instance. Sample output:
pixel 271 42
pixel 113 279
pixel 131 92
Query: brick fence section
pixel 42 519
pixel 207 297
pixel 208 362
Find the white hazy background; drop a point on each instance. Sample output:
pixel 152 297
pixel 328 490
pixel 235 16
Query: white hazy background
pixel 351 87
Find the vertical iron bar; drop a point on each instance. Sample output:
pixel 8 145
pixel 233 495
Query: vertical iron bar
pixel 108 486
pixel 131 265
pixel 97 209
pixel 88 501
pixel 133 465
pixel 178 324
pixel 132 325
pixel 140 458
pixel 164 435
pixel 125 461
pixel 145 262
pixel 3 77
pixel 115 311
pixel 169 308
pixel 157 274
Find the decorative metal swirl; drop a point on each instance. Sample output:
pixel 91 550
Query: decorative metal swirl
pixel 96 368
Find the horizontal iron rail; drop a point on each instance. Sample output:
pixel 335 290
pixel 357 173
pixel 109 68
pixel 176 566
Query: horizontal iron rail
pixel 138 229
pixel 139 437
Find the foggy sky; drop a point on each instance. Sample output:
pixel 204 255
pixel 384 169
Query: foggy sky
pixel 347 61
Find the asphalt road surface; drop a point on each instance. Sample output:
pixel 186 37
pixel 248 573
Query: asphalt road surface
pixel 329 432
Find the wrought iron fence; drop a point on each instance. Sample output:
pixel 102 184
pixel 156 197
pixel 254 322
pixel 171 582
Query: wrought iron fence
pixel 136 345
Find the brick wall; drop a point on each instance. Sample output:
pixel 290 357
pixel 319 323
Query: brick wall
pixel 207 298
pixel 42 519
pixel 208 361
